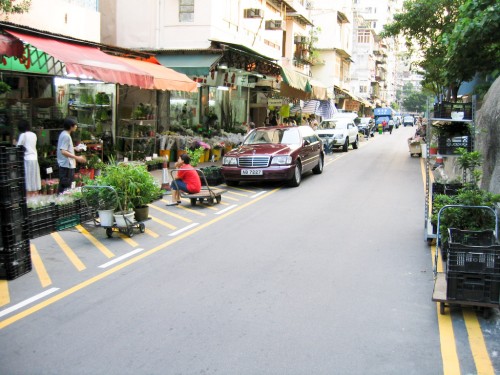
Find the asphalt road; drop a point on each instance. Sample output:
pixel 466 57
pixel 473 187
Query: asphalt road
pixel 332 277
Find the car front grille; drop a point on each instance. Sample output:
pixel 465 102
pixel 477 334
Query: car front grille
pixel 254 161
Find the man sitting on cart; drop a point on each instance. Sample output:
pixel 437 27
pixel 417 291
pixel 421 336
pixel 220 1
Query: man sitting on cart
pixel 186 180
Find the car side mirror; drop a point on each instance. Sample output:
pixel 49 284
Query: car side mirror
pixel 306 142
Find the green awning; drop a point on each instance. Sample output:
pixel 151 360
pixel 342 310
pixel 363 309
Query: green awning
pixel 191 65
pixel 296 80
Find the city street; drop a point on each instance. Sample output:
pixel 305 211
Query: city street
pixel 332 277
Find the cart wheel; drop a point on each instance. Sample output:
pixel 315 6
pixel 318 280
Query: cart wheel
pixel 218 198
pixel 130 232
pixel 210 201
pixel 109 232
pixel 142 227
pixel 441 308
pixel 193 201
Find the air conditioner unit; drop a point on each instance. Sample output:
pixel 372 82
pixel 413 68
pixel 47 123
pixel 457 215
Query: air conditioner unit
pixel 274 25
pixel 253 13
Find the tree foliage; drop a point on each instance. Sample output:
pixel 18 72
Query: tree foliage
pixel 14 6
pixel 452 40
pixel 474 44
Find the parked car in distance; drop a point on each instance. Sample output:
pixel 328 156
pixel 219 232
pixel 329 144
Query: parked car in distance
pixel 277 153
pixel 366 126
pixel 338 133
pixel 408 121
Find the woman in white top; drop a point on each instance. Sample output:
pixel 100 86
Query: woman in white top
pixel 31 168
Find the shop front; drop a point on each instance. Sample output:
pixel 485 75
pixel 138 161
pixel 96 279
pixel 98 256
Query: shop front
pixel 46 78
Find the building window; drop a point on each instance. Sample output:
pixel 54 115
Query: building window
pixel 363 89
pixel 186 10
pixel 363 36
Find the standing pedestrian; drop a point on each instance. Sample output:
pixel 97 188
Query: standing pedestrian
pixel 66 157
pixel 28 139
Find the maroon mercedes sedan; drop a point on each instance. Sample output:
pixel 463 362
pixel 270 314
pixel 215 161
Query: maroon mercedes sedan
pixel 278 153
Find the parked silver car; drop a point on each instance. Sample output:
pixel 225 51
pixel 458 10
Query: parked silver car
pixel 338 133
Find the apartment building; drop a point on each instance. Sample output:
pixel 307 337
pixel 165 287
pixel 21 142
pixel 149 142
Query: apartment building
pixel 242 53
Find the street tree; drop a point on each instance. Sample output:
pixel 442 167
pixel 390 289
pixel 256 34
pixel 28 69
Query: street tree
pixel 13 6
pixel 474 44
pixel 426 25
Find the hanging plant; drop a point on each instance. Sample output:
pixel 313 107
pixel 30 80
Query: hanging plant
pixel 4 87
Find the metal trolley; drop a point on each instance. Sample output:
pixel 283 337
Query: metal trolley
pixel 440 292
pixel 211 194
pixel 127 225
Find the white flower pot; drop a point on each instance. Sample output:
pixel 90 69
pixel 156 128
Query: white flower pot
pixel 121 222
pixel 106 218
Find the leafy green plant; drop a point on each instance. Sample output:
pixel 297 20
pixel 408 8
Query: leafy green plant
pixel 134 185
pixel 195 155
pixel 469 162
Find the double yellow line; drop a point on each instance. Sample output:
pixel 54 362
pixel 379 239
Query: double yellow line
pixel 451 363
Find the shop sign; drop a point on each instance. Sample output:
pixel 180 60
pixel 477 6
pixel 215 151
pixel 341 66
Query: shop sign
pixel 25 62
pixel 274 102
pixel 351 105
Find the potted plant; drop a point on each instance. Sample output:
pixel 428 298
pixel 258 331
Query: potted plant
pixel 102 200
pixel 469 195
pixel 135 187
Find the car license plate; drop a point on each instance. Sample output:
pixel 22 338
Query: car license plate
pixel 251 172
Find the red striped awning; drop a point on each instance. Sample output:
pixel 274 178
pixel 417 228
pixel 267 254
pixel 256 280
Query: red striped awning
pixel 81 60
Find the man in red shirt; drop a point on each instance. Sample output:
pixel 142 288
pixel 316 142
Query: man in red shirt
pixel 187 180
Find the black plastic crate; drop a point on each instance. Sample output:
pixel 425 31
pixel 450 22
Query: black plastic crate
pixel 86 213
pixel 42 228
pixel 449 146
pixel 42 213
pixel 11 234
pixel 17 252
pixel 471 238
pixel 14 213
pixel 11 170
pixel 15 269
pixel 10 154
pixel 67 210
pixel 13 191
pixel 473 287
pixel 473 259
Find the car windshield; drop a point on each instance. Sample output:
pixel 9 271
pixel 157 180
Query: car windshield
pixel 333 125
pixel 288 136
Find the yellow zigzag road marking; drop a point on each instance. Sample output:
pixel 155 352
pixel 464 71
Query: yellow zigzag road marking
pixel 4 293
pixel 170 213
pixel 40 267
pixel 165 224
pixel 101 276
pixel 68 251
pixel 103 249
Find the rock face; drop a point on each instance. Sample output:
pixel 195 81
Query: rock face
pixel 488 138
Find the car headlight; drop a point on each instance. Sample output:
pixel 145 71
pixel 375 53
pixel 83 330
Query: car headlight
pixel 282 160
pixel 229 160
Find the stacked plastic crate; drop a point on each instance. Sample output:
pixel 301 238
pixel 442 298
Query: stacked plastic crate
pixel 15 257
pixel 473 266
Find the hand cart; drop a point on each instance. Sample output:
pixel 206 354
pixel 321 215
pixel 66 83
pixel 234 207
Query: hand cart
pixel 415 147
pixel 440 292
pixel 127 223
pixel 211 194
